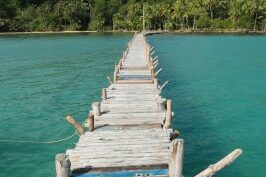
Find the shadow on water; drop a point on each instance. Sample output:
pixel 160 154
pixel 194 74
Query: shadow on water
pixel 195 129
pixel 203 144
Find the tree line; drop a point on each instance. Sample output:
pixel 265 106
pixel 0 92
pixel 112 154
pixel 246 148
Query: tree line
pixel 58 15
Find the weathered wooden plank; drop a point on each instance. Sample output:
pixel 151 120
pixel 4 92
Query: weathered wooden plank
pixel 134 81
pixel 132 116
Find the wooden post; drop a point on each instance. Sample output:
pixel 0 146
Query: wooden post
pixel 90 121
pixel 168 114
pixel 96 108
pixel 158 72
pixel 155 66
pixel 164 84
pixel 176 158
pixel 119 66
pixel 104 94
pixel 151 63
pixel 152 73
pixel 115 73
pixel 155 62
pixel 174 135
pixel 62 165
pixel 124 57
pixel 161 104
pixel 212 169
pixel 73 122
pixel 155 82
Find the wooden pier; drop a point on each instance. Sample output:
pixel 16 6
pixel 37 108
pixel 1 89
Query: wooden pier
pixel 129 128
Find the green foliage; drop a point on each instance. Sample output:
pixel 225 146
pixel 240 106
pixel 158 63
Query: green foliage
pixel 57 15
pixel 203 22
pixel 222 24
pixel 97 23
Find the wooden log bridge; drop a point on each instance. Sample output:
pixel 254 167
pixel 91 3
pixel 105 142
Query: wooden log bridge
pixel 126 129
pixel 129 129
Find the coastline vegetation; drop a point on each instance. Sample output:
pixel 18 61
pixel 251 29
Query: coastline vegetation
pixel 81 15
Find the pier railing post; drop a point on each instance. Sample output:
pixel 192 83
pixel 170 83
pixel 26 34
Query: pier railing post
pixel 115 73
pixel 155 82
pixel 90 122
pixel 160 103
pixel 176 158
pixel 104 94
pixel 96 108
pixel 62 165
pixel 168 118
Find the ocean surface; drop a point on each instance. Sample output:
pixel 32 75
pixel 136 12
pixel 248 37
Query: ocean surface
pixel 218 87
pixel 43 78
pixel 217 84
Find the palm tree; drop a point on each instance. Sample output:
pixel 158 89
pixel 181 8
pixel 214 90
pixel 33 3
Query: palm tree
pixel 59 10
pixel 209 4
pixel 256 7
pixel 236 10
pixel 195 9
pixel 179 11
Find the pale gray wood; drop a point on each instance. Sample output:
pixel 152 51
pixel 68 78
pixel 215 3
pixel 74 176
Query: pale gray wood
pixel 176 158
pixel 104 94
pixel 96 108
pixel 168 114
pixel 90 121
pixel 212 169
pixel 62 165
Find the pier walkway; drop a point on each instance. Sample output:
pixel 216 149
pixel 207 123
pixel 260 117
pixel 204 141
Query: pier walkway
pixel 129 128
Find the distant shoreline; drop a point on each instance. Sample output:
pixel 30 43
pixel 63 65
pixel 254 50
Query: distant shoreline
pixel 209 32
pixel 63 32
pixel 151 32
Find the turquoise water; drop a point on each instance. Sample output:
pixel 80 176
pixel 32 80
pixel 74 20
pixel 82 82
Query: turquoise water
pixel 42 79
pixel 218 87
pixel 217 83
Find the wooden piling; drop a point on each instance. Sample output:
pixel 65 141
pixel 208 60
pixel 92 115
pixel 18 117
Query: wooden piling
pixel 174 135
pixel 115 73
pixel 155 62
pixel 151 63
pixel 155 82
pixel 96 108
pixel 104 94
pixel 176 158
pixel 152 73
pixel 62 165
pixel 90 122
pixel 73 122
pixel 168 118
pixel 161 104
pixel 157 72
